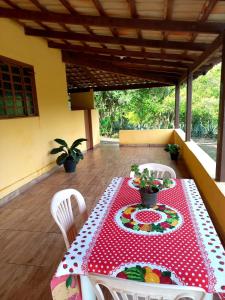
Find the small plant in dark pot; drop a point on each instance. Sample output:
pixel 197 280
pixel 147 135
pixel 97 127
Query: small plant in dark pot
pixel 149 185
pixel 70 156
pixel 174 150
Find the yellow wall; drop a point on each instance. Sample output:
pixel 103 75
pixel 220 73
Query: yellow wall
pixel 83 100
pixel 95 127
pixel 25 142
pixel 202 169
pixel 154 136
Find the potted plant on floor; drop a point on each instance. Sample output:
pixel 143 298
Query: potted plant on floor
pixel 174 150
pixel 70 156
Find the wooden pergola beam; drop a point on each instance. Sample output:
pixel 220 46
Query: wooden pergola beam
pixel 113 22
pixel 159 69
pixel 116 40
pixel 189 107
pixel 109 67
pixel 125 53
pixel 118 87
pixel 142 64
pixel 220 159
pixel 177 106
pixel 205 56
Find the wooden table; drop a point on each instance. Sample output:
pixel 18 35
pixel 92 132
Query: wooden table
pixel 175 242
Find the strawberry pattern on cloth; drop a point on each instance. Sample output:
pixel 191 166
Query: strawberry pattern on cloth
pixel 185 250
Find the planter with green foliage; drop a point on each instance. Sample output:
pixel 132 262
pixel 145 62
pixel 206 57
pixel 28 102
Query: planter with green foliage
pixel 149 185
pixel 70 156
pixel 174 150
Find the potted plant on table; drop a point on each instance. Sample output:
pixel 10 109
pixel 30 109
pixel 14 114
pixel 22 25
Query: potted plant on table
pixel 70 156
pixel 148 185
pixel 174 150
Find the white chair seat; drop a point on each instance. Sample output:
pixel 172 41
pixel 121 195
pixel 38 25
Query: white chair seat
pixel 160 171
pixel 134 290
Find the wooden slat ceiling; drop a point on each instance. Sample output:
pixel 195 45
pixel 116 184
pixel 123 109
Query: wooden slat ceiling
pixel 126 43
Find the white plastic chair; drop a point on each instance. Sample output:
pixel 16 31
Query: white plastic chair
pixel 159 170
pixel 62 212
pixel 134 290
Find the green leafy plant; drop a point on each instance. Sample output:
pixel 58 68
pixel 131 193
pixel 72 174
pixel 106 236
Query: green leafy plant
pixel 148 182
pixel 68 153
pixel 172 148
pixel 135 169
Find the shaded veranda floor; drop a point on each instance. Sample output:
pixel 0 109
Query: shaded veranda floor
pixel 31 245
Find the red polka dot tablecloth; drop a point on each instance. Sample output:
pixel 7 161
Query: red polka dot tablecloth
pixel 174 242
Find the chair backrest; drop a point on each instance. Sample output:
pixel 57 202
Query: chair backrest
pixel 62 212
pixel 134 290
pixel 160 171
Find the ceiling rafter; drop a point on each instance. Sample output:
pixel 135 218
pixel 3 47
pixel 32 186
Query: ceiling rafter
pixel 118 87
pixel 70 8
pixel 205 56
pixel 167 16
pixel 191 54
pixel 15 6
pixel 102 13
pixel 108 66
pixel 116 40
pixel 207 8
pixel 158 69
pixel 134 15
pixel 44 9
pixel 116 52
pixel 142 63
pixel 113 22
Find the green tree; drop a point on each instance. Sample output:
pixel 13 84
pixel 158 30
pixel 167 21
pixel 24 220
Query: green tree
pixel 154 108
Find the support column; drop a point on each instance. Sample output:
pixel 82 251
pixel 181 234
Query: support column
pixel 177 106
pixel 220 159
pixel 188 107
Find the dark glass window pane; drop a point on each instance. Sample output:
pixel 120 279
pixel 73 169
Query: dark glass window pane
pixel 16 78
pixel 4 68
pixel 15 70
pixel 28 88
pixel 9 98
pixel 20 111
pixel 5 77
pixel 27 80
pixel 26 71
pixel 30 111
pixel 1 102
pixel 2 111
pixel 7 85
pixel 10 111
pixel 18 87
pixel 19 103
pixel 19 96
pixel 29 97
pixel 1 94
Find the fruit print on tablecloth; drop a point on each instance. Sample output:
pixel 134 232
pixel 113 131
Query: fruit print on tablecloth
pixel 148 273
pixel 169 219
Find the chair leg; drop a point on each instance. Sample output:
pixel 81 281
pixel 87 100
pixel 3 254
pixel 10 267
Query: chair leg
pixel 87 289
